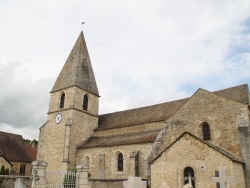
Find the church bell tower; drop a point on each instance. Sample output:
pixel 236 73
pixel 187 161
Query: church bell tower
pixel 73 110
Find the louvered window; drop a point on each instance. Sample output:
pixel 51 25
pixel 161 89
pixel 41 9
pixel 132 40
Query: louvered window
pixel 62 101
pixel 85 102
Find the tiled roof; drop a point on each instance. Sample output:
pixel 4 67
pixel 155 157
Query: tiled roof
pixel 136 138
pixel 238 94
pixel 14 148
pixel 154 113
pixel 32 150
pixel 220 150
pixel 163 111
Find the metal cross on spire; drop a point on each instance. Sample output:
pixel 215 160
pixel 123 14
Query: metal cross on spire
pixel 82 25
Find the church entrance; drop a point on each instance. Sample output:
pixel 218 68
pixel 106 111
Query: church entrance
pixel 189 176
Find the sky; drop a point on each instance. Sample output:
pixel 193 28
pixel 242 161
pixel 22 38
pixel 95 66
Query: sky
pixel 142 52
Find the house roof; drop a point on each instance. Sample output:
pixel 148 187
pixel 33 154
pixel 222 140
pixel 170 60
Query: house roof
pixel 14 148
pixel 218 149
pixel 163 111
pixel 32 151
pixel 136 138
pixel 77 71
pixel 238 94
pixel 148 114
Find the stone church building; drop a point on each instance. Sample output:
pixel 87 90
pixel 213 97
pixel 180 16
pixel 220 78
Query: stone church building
pixel 203 140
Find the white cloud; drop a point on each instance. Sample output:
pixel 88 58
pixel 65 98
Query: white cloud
pixel 142 52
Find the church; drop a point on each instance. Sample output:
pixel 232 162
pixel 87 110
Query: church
pixel 202 141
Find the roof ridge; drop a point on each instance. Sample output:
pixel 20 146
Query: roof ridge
pixel 186 98
pixel 117 140
pixel 163 111
pixel 144 107
pixel 232 87
pixel 10 133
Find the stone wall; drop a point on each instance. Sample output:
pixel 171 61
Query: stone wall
pixel 189 152
pixel 4 163
pixel 52 137
pixel 10 182
pixel 51 141
pixel 74 99
pixel 81 129
pixel 244 133
pixel 16 168
pixel 93 101
pixel 58 142
pixel 109 171
pixel 106 183
pixel 220 113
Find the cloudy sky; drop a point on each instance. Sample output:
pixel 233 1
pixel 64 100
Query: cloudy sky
pixel 142 51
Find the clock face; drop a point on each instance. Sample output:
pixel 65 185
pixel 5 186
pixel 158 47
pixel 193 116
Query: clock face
pixel 58 118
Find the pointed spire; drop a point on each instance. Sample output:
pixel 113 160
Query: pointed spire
pixel 77 71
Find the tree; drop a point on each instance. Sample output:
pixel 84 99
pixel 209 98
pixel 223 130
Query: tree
pixel 27 141
pixel 2 171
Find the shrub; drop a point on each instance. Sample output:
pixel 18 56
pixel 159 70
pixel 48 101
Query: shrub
pixel 2 171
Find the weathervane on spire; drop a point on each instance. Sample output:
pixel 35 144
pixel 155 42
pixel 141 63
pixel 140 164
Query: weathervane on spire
pixel 82 25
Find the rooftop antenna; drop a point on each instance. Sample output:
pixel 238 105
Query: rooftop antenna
pixel 82 25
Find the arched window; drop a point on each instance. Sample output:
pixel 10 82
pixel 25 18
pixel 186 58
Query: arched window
pixel 120 162
pixel 206 131
pixel 85 102
pixel 189 176
pixel 62 101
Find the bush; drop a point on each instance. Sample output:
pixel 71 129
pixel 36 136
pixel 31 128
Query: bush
pixel 4 171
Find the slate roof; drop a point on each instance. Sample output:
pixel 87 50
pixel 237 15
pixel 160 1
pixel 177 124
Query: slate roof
pixel 14 148
pixel 136 138
pixel 77 70
pixel 220 150
pixel 148 114
pixel 163 111
pixel 238 94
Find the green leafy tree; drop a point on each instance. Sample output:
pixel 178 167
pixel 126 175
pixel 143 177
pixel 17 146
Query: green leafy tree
pixel 27 141
pixel 4 171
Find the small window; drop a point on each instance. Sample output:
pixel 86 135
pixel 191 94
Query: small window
pixel 120 162
pixel 85 102
pixel 62 101
pixel 22 169
pixel 206 131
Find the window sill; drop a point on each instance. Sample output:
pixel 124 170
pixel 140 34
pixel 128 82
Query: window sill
pixel 119 172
